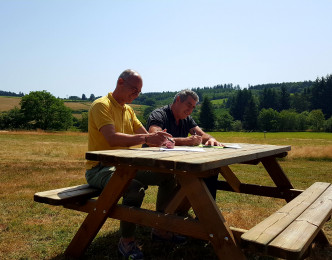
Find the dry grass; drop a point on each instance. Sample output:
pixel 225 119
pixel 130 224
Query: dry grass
pixel 312 152
pixel 7 103
pixel 37 161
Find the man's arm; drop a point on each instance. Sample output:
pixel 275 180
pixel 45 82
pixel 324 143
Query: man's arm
pixel 191 140
pixel 142 136
pixel 206 138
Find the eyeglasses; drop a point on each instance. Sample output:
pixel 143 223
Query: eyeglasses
pixel 133 89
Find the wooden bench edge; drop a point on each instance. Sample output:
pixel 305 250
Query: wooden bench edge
pixel 73 194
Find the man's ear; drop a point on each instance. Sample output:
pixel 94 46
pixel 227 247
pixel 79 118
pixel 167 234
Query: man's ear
pixel 120 81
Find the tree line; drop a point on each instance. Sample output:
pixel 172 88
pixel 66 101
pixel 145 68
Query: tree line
pixel 298 106
pixel 267 119
pixel 280 106
pixel 11 94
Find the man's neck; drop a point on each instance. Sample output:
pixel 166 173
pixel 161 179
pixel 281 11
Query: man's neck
pixel 173 109
pixel 118 98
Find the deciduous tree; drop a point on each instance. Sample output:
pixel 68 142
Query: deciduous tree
pixel 42 110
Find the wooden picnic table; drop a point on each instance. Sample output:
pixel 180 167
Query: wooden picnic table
pixel 190 168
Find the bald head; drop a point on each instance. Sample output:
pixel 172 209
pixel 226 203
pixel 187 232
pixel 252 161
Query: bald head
pixel 128 87
pixel 129 75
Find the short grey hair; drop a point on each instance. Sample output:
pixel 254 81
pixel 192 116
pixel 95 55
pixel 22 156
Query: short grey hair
pixel 183 94
pixel 127 74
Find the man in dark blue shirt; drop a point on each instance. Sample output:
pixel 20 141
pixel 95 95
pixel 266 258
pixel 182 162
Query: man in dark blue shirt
pixel 176 120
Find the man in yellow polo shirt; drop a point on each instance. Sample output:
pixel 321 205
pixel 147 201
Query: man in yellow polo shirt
pixel 114 125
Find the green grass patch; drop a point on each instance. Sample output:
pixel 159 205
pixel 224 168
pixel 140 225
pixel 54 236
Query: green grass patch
pixel 218 101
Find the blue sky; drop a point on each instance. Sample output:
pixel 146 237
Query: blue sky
pixel 70 48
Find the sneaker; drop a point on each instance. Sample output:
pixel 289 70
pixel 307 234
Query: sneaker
pixel 131 251
pixel 167 237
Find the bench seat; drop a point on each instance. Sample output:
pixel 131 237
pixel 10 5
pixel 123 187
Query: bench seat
pixel 74 194
pixel 290 231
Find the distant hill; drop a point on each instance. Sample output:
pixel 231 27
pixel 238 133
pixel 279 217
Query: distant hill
pixel 8 103
pixel 77 107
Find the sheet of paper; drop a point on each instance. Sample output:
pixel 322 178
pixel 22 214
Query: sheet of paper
pixel 234 146
pixel 211 146
pixel 186 149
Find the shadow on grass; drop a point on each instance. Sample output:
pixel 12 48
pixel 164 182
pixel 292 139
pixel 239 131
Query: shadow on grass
pixel 106 247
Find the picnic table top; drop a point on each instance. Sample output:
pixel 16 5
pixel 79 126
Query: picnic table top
pixel 191 161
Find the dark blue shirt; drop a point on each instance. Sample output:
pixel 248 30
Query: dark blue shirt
pixel 164 118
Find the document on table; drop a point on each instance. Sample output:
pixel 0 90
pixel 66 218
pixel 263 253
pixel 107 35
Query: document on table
pixel 183 149
pixel 234 146
pixel 199 148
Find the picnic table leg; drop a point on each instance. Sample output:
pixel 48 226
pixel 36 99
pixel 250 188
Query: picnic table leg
pixel 210 217
pixel 231 178
pixel 179 204
pixel 277 174
pixel 95 219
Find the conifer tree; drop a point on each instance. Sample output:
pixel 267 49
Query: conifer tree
pixel 206 116
pixel 284 98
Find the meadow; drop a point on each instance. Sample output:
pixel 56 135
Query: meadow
pixel 38 161
pixel 7 103
pixel 76 107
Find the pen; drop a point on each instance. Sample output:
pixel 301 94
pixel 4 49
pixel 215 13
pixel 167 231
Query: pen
pixel 169 139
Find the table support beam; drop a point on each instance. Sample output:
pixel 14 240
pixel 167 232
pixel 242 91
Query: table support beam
pixel 96 218
pixel 277 174
pixel 209 215
pixel 231 178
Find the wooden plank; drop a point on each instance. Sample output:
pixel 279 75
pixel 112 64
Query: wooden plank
pixel 181 225
pixel 177 224
pixel 297 237
pixel 220 235
pixel 179 203
pixel 231 179
pixel 207 163
pixel 277 175
pixel 66 195
pixel 186 161
pixel 267 230
pixel 95 219
pixel 260 190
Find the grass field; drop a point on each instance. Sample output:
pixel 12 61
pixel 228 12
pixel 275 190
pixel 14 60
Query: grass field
pixel 7 103
pixel 218 101
pixel 77 107
pixel 37 161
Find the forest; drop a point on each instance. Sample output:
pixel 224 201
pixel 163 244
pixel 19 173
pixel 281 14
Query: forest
pixel 295 106
pixel 292 106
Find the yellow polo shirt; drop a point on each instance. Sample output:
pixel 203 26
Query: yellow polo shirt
pixel 107 111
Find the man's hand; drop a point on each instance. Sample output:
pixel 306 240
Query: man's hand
pixel 170 143
pixel 159 138
pixel 194 140
pixel 213 142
